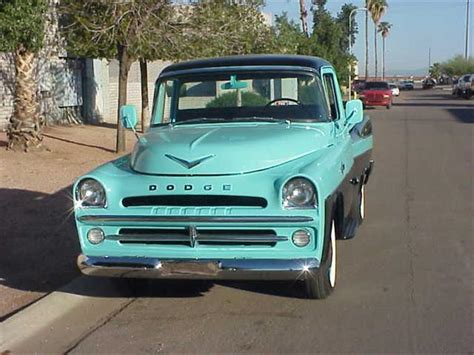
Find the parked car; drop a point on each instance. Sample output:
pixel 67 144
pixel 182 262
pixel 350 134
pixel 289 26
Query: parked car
pixel 358 85
pixel 395 89
pixel 455 87
pixel 251 169
pixel 377 93
pixel 466 86
pixel 428 83
pixel 406 85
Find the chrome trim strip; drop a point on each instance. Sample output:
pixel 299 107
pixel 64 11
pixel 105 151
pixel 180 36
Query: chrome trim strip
pixel 225 269
pixel 98 219
pixel 200 237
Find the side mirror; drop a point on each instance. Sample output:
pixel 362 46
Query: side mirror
pixel 128 116
pixel 354 112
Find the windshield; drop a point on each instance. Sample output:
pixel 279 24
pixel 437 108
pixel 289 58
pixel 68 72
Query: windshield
pixel 262 95
pixel 376 85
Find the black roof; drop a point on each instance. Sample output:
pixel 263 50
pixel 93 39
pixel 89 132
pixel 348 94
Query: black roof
pixel 250 60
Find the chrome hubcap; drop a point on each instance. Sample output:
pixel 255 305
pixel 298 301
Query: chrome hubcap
pixel 362 202
pixel 332 268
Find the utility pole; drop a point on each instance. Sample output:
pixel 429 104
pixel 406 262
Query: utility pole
pixel 466 49
pixel 303 17
pixel 429 59
pixel 350 47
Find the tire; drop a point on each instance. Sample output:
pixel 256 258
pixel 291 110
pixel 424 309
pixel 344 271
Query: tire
pixel 389 106
pixel 321 284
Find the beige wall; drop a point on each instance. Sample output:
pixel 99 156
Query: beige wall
pixel 110 92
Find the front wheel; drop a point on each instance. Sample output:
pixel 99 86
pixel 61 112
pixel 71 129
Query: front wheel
pixel 320 284
pixel 389 106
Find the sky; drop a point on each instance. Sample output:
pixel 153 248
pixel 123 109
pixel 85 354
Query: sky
pixel 418 25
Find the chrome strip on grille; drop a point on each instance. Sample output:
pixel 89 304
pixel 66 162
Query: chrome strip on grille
pixel 98 219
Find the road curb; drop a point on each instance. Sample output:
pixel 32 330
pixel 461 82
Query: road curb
pixel 76 309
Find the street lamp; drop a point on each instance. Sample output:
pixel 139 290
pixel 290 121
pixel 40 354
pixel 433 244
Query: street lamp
pixel 350 46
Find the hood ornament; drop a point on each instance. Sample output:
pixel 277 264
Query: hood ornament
pixel 189 164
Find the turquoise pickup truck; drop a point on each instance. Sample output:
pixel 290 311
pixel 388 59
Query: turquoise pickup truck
pixel 251 168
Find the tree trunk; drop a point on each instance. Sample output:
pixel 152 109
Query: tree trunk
pixel 375 51
pixel 124 67
pixel 303 16
pixel 383 58
pixel 144 85
pixel 24 131
pixel 366 45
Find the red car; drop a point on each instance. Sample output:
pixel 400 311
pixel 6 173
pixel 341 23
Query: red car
pixel 376 93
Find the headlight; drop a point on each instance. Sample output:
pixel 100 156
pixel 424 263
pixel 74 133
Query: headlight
pixel 386 96
pixel 299 193
pixel 90 193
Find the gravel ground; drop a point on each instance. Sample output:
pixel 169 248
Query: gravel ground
pixel 38 242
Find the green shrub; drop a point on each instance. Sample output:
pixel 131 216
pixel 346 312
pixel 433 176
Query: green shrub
pixel 229 99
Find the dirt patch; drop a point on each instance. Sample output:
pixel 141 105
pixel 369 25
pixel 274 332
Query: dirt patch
pixel 38 240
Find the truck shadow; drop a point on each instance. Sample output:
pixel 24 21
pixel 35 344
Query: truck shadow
pixel 195 288
pixel 143 288
pixel 38 243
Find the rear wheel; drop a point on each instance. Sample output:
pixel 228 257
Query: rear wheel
pixel 320 284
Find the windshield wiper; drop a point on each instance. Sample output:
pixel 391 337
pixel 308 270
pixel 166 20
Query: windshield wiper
pixel 197 120
pixel 235 119
pixel 261 119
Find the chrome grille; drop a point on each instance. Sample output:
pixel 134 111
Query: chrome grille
pixel 192 237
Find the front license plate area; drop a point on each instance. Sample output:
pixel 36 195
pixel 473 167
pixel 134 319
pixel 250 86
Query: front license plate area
pixel 171 268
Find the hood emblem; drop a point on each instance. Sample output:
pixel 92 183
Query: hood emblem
pixel 189 164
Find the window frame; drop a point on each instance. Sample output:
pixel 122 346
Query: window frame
pixel 159 101
pixel 329 72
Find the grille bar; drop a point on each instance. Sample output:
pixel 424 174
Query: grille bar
pixel 190 236
pixel 195 201
pixel 201 238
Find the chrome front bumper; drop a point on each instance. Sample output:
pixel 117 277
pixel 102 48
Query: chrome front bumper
pixel 226 269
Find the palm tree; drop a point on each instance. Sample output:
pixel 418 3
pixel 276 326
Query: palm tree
pixel 376 9
pixel 368 5
pixel 436 70
pixel 384 29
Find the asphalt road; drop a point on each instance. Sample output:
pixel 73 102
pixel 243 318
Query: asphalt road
pixel 404 283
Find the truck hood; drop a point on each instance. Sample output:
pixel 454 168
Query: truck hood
pixel 224 149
